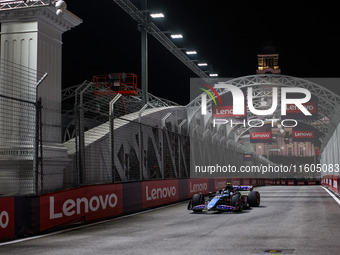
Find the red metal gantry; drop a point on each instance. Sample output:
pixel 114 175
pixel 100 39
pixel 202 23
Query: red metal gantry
pixel 122 83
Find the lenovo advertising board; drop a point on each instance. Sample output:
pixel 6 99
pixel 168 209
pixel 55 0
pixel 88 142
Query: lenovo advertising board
pixel 157 193
pixel 89 203
pixel 303 135
pixel 261 134
pixel 198 186
pixel 225 110
pixel 7 217
pixel 293 112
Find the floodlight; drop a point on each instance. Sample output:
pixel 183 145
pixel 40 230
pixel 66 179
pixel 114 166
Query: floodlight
pixel 157 15
pixel 191 52
pixel 176 36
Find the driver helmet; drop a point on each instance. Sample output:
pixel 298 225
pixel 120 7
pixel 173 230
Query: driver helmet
pixel 229 187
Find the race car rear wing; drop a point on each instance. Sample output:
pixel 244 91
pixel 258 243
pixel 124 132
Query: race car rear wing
pixel 243 188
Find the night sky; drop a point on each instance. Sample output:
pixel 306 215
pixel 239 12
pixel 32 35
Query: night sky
pixel 226 35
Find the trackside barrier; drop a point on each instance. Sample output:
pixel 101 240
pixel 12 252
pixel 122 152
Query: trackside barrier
pixel 7 218
pixel 331 182
pixel 84 204
pixel 21 216
pixel 156 193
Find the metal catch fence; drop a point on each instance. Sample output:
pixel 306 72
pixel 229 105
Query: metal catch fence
pixel 20 156
pixel 117 141
pixel 100 139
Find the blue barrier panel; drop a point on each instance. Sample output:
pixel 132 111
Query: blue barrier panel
pixel 183 189
pixel 132 197
pixel 27 215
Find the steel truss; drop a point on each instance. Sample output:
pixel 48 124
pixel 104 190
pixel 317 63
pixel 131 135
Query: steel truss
pixel 141 18
pixel 10 5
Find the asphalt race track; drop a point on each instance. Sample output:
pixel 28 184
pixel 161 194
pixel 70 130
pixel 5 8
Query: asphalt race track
pixel 290 220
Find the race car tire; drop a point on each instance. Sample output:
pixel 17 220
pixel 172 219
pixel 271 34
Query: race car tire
pixel 254 199
pixel 237 202
pixel 197 199
pixel 244 199
pixel 190 205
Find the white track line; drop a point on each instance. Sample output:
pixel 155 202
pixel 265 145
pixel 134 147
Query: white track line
pixel 332 195
pixel 87 225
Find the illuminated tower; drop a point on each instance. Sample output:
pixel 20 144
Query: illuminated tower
pixel 268 61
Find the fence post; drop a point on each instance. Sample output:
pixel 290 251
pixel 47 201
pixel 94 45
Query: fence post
pixel 76 113
pixel 77 126
pixel 82 167
pixel 140 141
pixel 41 145
pixel 38 148
pixel 112 144
pixel 163 130
pixel 180 146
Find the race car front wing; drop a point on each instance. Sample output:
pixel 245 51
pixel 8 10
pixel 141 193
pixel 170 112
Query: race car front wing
pixel 219 208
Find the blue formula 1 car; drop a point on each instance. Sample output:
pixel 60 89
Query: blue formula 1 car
pixel 232 198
